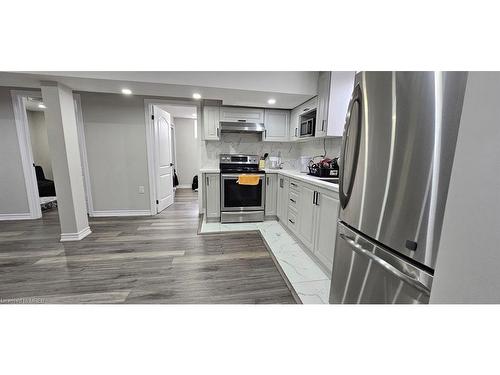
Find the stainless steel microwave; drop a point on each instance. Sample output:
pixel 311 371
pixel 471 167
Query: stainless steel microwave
pixel 306 128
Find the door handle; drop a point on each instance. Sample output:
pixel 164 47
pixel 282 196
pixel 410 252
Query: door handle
pixel 386 265
pixel 208 181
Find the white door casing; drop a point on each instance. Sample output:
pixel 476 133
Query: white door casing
pixel 163 159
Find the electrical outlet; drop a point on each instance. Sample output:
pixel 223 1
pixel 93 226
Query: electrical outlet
pixel 141 189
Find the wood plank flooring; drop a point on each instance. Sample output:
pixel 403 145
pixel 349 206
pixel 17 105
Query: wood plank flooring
pixel 159 259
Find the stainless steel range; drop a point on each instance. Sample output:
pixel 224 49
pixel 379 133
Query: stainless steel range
pixel 241 203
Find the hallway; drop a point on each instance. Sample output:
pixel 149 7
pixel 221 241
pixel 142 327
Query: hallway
pixel 158 259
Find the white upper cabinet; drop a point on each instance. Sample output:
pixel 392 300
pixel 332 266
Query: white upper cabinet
pixel 324 80
pixel 310 105
pixel 242 114
pixel 341 88
pixel 277 126
pixel 211 122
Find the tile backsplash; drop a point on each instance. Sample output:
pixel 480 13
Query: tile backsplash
pixel 252 144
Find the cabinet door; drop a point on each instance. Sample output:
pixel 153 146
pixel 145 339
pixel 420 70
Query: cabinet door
pixel 323 102
pixel 282 203
pixel 211 122
pixel 294 124
pixel 327 208
pixel 342 85
pixel 277 125
pixel 306 217
pixel 212 195
pixel 242 114
pixel 271 194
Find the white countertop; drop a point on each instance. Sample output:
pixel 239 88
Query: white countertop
pixel 289 173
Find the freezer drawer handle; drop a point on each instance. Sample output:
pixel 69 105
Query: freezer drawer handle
pixel 400 275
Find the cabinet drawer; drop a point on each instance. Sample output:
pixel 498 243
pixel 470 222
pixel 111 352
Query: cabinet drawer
pixel 294 186
pixel 292 219
pixel 293 199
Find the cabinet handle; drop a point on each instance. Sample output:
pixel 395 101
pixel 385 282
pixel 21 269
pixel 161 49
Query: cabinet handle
pixel 323 125
pixel 317 199
pixel 281 183
pixel 314 197
pixel 291 183
pixel 265 134
pixel 295 132
pixel 292 200
pixel 291 221
pixel 208 181
pixel 217 131
pixel 242 120
pixel 305 109
pixel 267 181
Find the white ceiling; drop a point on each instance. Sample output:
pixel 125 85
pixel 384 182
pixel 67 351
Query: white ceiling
pixel 177 111
pixel 289 89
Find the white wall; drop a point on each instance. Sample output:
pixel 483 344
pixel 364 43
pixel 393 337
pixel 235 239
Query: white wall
pixel 40 142
pixel 468 262
pixel 13 196
pixel 187 152
pixel 115 134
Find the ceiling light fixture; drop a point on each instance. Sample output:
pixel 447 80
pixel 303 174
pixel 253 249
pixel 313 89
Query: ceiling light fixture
pixel 271 101
pixel 196 96
pixel 126 91
pixel 42 106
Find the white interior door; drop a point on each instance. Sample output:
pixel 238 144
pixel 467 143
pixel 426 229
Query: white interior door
pixel 164 166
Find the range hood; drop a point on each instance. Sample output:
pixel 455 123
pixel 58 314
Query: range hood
pixel 241 127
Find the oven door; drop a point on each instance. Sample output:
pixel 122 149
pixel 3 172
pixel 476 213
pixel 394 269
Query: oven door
pixel 236 197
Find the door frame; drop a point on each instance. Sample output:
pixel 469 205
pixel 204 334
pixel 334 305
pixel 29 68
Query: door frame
pixel 151 144
pixel 27 160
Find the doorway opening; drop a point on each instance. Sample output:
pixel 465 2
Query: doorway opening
pixel 39 142
pixel 173 150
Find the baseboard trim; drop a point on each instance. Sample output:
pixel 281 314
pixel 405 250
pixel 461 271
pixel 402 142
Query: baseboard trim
pixel 110 213
pixel 75 236
pixel 183 186
pixel 24 216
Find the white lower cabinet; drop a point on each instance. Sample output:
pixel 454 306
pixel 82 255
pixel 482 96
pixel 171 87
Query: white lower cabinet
pixel 327 208
pixel 211 188
pixel 271 194
pixel 282 199
pixel 306 214
pixel 310 213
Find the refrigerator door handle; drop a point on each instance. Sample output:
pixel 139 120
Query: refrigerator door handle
pixel 387 266
pixel 357 96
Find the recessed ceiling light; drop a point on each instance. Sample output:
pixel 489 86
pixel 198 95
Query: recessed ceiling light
pixel 42 106
pixel 196 96
pixel 126 91
pixel 271 101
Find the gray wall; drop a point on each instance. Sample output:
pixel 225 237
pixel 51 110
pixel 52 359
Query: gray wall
pixel 115 134
pixel 13 196
pixel 186 150
pixel 40 142
pixel 468 263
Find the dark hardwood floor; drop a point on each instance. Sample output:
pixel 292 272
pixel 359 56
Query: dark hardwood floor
pixel 158 259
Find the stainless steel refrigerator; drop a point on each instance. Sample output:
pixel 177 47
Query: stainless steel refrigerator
pixel 395 165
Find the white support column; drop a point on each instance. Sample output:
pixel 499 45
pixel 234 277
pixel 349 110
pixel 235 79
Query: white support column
pixel 66 165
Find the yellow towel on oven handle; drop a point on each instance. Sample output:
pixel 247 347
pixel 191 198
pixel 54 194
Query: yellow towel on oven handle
pixel 248 179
